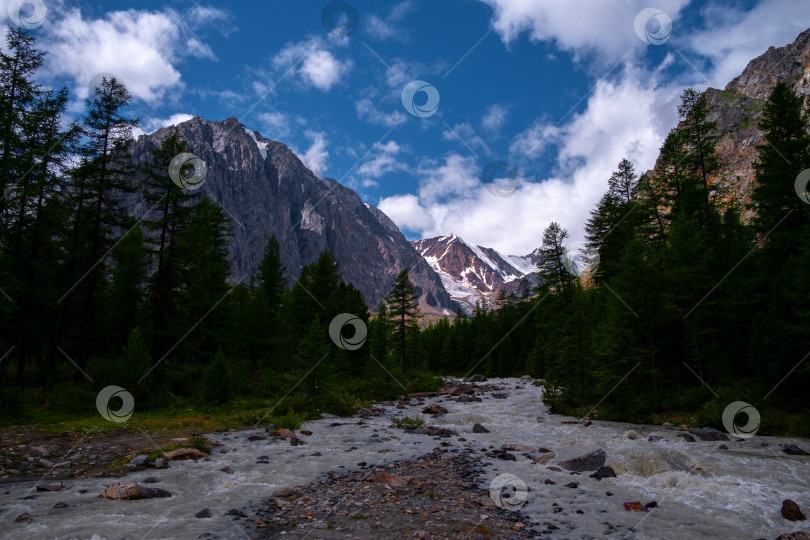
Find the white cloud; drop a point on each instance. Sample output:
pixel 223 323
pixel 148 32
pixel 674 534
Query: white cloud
pixel 734 37
pixel 141 48
pixel 389 27
pixel 582 27
pixel 626 118
pixel 465 135
pixel 314 64
pixel 153 124
pixel 368 112
pixel 406 212
pixel 494 118
pixel 316 156
pixel 383 162
pixel 532 142
pixel 277 125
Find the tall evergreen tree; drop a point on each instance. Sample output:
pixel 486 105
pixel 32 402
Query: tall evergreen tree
pixel 403 316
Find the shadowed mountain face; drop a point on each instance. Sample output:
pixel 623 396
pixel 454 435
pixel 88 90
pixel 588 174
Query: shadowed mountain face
pixel 471 273
pixel 267 191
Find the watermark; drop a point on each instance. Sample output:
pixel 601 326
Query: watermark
pixel 508 491
pixel 99 80
pixel 353 342
pixel 29 14
pixel 431 104
pixel 340 18
pixel 188 171
pixel 583 264
pixel 733 411
pixel 653 26
pixel 500 179
pixel 103 404
pixel 801 186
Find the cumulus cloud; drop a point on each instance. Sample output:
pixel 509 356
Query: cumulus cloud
pixel 624 118
pixel 151 125
pixel 316 156
pixel 406 212
pixel 385 160
pixel 277 125
pixel 581 27
pixel 314 64
pixel 141 48
pixel 368 112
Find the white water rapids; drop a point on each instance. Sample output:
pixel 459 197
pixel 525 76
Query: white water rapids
pixel 701 491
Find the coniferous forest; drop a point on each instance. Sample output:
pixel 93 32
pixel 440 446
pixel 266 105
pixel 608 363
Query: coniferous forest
pixel 697 300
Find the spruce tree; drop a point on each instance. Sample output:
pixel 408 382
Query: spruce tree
pixel 403 316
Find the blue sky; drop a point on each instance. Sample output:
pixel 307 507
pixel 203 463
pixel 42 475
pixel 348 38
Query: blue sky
pixel 559 90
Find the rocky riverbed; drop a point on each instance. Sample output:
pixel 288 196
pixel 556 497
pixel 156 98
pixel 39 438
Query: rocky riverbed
pixel 488 462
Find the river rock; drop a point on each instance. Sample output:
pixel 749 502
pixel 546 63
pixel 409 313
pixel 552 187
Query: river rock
pixel 708 434
pixel 49 487
pixel 500 395
pixel 527 378
pixel 632 435
pixel 543 458
pixel 305 432
pixel 184 453
pixel 468 399
pixel 257 438
pixel 282 492
pixel 686 437
pixel 791 511
pixel 633 506
pixel 477 378
pixel 205 513
pixel 478 428
pixel 60 505
pixel 798 535
pixel 161 463
pixel 226 470
pixel 793 450
pixel 25 517
pixel 131 491
pixel 434 408
pixel 282 433
pixel 588 462
pixel 604 472
pixel 295 441
pixel 140 461
pixel 517 448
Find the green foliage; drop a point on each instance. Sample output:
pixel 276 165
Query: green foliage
pixel 217 385
pixel 406 422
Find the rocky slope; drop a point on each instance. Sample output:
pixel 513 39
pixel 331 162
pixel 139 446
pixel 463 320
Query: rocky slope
pixel 473 273
pixel 738 107
pixel 266 190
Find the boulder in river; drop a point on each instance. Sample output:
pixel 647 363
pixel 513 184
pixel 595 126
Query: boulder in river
pixel 708 434
pixel 543 458
pixel 633 506
pixel 604 472
pixel 161 463
pixel 49 487
pixel 791 511
pixel 184 453
pixel 686 437
pixel 205 513
pixel 588 462
pixel 478 428
pixel 477 378
pixel 798 535
pixel 434 408
pixel 130 491
pixel 282 433
pixel 140 461
pixel 527 378
pixel 25 517
pixel 793 450
pixel 282 492
pixel 500 395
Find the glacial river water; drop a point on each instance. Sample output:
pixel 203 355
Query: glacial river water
pixel 701 491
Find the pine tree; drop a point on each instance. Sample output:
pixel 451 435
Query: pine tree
pixel 102 176
pixel 403 316
pixel 550 264
pixel 170 217
pixel 268 298
pixel 783 155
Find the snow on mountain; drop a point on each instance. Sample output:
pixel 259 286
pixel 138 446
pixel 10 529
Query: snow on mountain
pixel 472 273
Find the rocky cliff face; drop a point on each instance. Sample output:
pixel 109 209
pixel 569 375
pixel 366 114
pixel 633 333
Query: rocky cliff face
pixel 738 108
pixel 266 190
pixel 472 273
